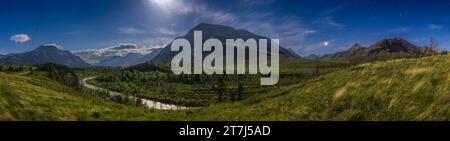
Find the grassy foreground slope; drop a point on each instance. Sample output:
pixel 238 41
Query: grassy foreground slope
pixel 35 97
pixel 404 89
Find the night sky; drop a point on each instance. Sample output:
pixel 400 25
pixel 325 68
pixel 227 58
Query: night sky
pixel 308 26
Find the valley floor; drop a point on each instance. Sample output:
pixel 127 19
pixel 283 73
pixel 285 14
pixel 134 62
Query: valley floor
pixel 147 103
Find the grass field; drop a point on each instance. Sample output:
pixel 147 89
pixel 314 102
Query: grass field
pixel 35 97
pixel 403 89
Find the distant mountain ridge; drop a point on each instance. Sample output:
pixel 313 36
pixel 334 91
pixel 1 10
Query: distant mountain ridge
pixel 130 59
pixel 220 32
pixel 382 50
pixel 102 55
pixel 117 61
pixel 311 57
pixel 47 53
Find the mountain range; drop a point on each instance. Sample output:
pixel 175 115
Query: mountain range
pixel 119 55
pixel 124 55
pixel 47 53
pixel 129 59
pixel 312 57
pixel 382 50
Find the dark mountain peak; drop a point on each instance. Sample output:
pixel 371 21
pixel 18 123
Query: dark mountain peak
pixel 220 32
pixel 392 42
pixel 46 53
pixel 312 57
pixel 395 39
pixel 209 27
pixel 382 50
pixel 50 46
pixel 356 47
pixel 395 45
pixel 206 26
pixel 125 46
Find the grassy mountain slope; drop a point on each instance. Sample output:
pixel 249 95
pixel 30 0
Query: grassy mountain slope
pixel 24 97
pixel 404 89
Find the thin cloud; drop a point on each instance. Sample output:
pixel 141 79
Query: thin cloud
pixel 289 30
pixel 75 33
pixel 166 31
pixel 130 30
pixel 329 21
pixel 400 30
pixel 309 32
pixel 20 38
pixel 332 10
pixel 435 26
pixel 257 2
pixel 222 17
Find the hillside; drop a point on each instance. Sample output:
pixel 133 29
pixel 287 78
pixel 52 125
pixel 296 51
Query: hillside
pixel 404 89
pixel 383 50
pixel 34 97
pixel 44 54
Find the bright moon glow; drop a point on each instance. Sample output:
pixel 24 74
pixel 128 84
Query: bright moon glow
pixel 164 4
pixel 325 43
pixel 171 6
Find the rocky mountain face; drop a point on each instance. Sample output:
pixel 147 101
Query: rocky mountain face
pixel 222 33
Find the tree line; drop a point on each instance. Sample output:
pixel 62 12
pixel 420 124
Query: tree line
pixel 60 73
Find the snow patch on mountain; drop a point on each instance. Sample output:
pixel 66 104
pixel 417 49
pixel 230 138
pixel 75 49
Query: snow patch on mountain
pixel 94 56
pixel 56 45
pixel 119 50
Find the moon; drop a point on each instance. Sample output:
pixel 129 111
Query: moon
pixel 326 43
